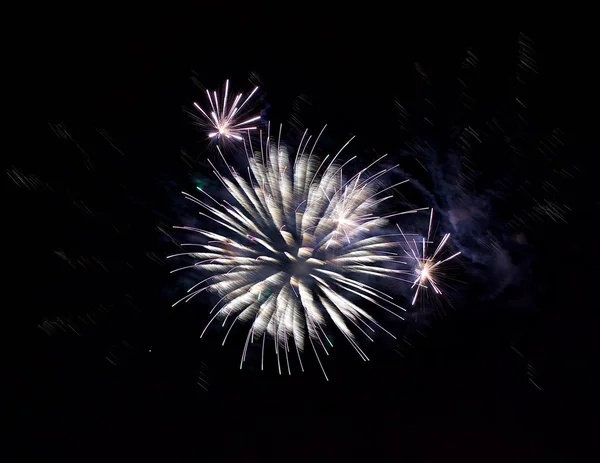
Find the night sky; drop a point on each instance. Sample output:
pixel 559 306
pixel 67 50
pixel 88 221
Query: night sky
pixel 104 368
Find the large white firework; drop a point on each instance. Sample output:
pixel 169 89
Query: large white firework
pixel 427 269
pixel 292 247
pixel 228 121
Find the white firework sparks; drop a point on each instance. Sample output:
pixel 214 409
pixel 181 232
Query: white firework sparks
pixel 426 268
pixel 294 243
pixel 228 121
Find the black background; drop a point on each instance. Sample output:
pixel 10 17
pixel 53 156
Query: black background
pixel 462 392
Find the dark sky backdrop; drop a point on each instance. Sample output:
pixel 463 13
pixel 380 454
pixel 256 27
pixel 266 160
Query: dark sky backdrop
pixel 127 385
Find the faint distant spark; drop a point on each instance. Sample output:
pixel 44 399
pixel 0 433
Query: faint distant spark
pixel 227 121
pixel 426 268
pixel 80 261
pixel 297 239
pixel 29 181
pixel 75 323
pixel 203 377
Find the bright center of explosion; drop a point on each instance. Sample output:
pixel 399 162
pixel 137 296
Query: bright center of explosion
pixel 424 272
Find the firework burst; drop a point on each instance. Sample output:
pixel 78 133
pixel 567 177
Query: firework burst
pixel 426 268
pixel 295 242
pixel 228 121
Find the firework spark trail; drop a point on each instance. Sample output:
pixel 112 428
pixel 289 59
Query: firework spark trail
pixel 426 267
pixel 227 121
pixel 296 238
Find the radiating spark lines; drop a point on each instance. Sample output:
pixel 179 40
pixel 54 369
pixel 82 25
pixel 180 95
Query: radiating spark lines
pixel 287 253
pixel 426 268
pixel 228 121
